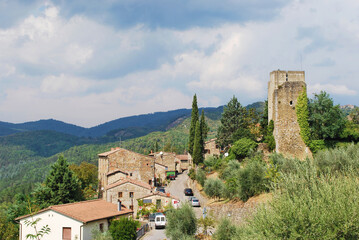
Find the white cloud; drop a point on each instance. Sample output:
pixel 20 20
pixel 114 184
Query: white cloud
pixel 63 84
pixel 332 89
pixel 86 72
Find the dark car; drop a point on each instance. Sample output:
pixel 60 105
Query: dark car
pixel 188 192
pixel 172 177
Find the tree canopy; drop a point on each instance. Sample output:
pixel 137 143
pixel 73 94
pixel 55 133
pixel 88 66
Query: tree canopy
pixel 326 120
pixel 194 119
pixel 61 186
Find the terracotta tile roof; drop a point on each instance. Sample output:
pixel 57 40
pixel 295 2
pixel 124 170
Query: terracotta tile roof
pixel 160 194
pixel 116 171
pixel 113 150
pixel 182 157
pixel 87 211
pixel 129 180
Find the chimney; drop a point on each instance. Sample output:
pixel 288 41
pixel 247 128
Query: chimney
pixel 119 205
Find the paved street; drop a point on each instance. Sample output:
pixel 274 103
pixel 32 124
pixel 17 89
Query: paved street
pixel 176 188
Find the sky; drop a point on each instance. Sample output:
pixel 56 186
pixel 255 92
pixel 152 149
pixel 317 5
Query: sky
pixel 87 62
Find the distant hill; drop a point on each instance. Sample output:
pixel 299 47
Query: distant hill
pixel 26 155
pixel 127 127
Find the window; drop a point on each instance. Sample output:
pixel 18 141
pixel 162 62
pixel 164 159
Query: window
pixel 131 207
pixel 291 103
pixel 66 233
pixel 150 182
pixel 120 194
pixel 130 174
pixel 131 194
pixel 101 227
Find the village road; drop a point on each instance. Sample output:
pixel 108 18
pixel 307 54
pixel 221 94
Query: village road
pixel 176 188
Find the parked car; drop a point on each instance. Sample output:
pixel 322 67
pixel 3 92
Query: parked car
pixel 152 216
pixel 161 189
pixel 160 221
pixel 171 177
pixel 195 202
pixel 188 192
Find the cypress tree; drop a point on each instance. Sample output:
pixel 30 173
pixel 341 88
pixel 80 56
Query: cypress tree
pixel 194 120
pixel 204 130
pixel 198 147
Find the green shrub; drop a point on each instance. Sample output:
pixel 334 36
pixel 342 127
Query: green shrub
pixel 269 138
pixel 212 162
pixel 192 174
pixel 225 230
pixel 124 229
pixel 214 187
pixel 231 171
pixel 308 205
pixel 316 145
pixel 252 180
pixel 98 235
pixel 243 147
pixel 181 223
pixel 200 176
pixel 339 159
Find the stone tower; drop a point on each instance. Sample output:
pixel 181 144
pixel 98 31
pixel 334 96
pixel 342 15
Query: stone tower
pixel 284 88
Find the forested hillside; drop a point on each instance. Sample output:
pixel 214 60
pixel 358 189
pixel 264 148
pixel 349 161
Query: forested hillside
pixel 25 157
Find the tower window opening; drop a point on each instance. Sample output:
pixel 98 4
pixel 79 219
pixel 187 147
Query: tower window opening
pixel 291 103
pixel 286 77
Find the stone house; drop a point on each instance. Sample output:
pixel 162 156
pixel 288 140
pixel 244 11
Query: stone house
pixel 160 200
pixel 127 190
pixel 73 220
pixel 118 162
pixel 211 148
pixel 184 162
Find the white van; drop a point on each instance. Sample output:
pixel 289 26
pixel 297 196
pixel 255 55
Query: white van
pixel 160 221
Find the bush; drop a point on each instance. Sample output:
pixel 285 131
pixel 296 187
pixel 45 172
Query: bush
pixel 214 187
pixel 231 171
pixel 181 223
pixel 97 235
pixel 339 159
pixel 124 229
pixel 192 174
pixel 252 180
pixel 308 205
pixel 243 147
pixel 212 162
pixel 316 145
pixel 225 230
pixel 200 176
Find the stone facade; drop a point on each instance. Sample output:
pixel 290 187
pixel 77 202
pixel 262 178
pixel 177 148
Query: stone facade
pixel 127 191
pixel 211 148
pixel 124 162
pixel 284 88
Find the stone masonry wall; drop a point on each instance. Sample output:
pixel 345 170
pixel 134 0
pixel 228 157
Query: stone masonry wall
pixel 283 90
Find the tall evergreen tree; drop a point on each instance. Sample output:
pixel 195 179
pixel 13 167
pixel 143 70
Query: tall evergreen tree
pixel 194 119
pixel 204 127
pixel 234 119
pixel 61 186
pixel 198 146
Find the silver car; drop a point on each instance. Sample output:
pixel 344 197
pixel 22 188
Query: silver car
pixel 195 202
